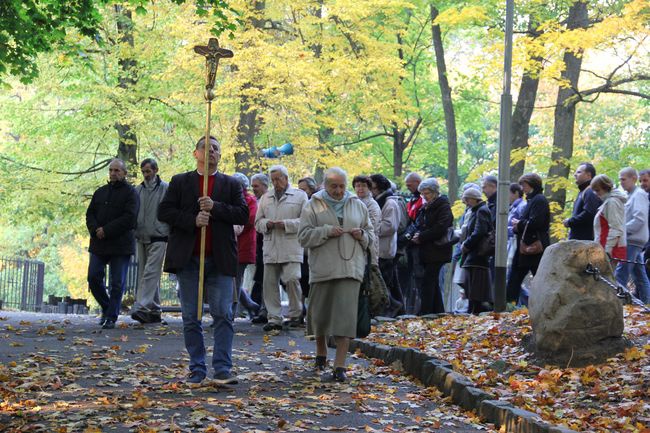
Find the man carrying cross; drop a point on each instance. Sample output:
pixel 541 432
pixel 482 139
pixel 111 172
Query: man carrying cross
pixel 186 208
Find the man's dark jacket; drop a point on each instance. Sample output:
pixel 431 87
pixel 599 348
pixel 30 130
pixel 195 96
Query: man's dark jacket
pixel 115 208
pixel 492 206
pixel 585 207
pixel 179 209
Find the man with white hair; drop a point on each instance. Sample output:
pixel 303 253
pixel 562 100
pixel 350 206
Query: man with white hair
pixel 636 228
pixel 278 219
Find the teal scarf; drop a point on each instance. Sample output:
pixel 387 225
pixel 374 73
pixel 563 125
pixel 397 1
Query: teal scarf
pixel 336 205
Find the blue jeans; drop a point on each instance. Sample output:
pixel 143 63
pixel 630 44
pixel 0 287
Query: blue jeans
pixel 219 290
pixel 118 266
pixel 623 271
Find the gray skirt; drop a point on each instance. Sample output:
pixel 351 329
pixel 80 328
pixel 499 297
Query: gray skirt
pixel 332 309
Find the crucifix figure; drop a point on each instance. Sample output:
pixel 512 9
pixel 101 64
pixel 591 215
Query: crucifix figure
pixel 212 53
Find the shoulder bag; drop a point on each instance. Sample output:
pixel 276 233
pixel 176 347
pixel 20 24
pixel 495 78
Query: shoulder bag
pixel 530 250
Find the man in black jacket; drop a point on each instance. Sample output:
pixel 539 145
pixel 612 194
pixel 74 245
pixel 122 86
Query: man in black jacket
pixel 186 208
pixel 111 218
pixel 581 223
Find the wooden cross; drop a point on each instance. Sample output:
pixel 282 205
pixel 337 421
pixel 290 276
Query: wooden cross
pixel 212 53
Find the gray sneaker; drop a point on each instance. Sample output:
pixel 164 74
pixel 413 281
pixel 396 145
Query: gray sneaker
pixel 225 379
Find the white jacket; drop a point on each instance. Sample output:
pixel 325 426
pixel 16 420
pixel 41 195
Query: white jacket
pixel 609 223
pixel 386 232
pixel 281 246
pixel 331 258
pixel 636 217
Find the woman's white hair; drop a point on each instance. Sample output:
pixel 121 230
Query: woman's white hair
pixel 337 171
pixel 431 184
pixel 242 179
pixel 281 168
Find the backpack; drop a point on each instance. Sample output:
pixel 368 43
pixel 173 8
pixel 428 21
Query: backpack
pixel 404 220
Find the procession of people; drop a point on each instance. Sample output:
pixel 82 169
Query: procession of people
pixel 314 242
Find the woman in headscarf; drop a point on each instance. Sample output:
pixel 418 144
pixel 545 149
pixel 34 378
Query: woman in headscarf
pixel 477 283
pixel 336 228
pixel 534 225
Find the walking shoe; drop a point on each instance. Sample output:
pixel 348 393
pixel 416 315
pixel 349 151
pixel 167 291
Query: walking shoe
pixel 258 320
pixel 154 317
pixel 339 375
pixel 272 327
pixel 195 377
pixel 295 322
pixel 226 379
pixel 320 363
pixel 102 320
pixel 109 324
pixel 139 316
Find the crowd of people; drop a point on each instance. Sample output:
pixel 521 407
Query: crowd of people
pixel 315 242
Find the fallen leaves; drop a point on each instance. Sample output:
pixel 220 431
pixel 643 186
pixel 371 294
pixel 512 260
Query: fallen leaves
pixel 131 381
pixel 614 396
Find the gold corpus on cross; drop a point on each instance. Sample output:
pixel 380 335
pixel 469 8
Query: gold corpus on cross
pixel 212 53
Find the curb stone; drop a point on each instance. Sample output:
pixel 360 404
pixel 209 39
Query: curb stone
pixel 435 372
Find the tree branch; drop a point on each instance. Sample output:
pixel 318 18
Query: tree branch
pixel 94 168
pixel 360 140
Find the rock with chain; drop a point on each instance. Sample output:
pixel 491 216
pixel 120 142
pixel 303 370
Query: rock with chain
pixel 576 319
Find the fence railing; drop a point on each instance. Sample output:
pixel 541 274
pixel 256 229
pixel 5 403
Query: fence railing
pixel 21 284
pixel 168 296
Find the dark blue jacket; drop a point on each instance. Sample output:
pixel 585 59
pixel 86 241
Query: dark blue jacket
pixel 436 220
pixel 581 223
pixel 115 208
pixel 537 216
pixel 478 227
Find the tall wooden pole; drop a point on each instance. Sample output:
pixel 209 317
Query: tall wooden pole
pixel 212 53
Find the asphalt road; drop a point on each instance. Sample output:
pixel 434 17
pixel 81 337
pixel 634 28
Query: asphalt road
pixel 64 374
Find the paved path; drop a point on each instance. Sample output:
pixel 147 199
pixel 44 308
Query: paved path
pixel 64 374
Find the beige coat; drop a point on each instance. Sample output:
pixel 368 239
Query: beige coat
pixel 281 246
pixel 332 258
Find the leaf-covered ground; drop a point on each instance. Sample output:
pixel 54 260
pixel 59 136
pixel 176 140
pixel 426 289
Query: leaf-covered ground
pixel 63 374
pixel 614 396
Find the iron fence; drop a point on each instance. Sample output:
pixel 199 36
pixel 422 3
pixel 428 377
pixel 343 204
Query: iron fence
pixel 168 294
pixel 21 284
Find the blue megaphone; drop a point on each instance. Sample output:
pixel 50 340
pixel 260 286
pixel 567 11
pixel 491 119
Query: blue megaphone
pixel 276 152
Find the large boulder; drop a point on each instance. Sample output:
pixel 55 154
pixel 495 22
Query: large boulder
pixel 574 317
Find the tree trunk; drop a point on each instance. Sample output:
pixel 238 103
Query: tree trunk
pixel 127 78
pixel 565 113
pixel 398 152
pixel 524 111
pixel 448 108
pixel 249 122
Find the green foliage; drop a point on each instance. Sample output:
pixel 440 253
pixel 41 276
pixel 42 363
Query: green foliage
pixel 31 27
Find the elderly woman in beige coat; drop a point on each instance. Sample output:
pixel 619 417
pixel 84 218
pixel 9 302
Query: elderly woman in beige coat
pixel 336 229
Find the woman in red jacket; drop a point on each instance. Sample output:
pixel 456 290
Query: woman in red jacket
pixel 246 246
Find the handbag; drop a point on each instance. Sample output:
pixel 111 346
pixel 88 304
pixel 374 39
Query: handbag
pixel 487 245
pixel 450 238
pixel 530 249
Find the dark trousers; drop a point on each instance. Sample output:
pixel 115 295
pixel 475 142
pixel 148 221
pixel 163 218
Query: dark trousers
pixel 430 293
pixel 389 274
pixel 517 275
pixel 109 299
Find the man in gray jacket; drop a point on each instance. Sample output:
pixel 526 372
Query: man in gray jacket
pixel 636 227
pixel 151 236
pixel 278 219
